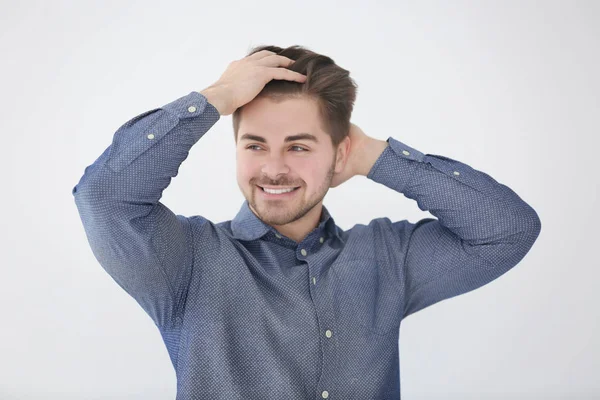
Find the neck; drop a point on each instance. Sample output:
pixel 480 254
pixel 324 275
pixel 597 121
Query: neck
pixel 299 229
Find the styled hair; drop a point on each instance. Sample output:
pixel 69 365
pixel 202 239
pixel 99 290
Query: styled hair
pixel 327 83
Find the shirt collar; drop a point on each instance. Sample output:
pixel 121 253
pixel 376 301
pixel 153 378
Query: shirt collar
pixel 247 226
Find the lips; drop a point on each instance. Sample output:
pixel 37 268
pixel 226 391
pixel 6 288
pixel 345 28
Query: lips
pixel 278 196
pixel 279 187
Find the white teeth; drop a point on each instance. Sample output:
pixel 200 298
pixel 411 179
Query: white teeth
pixel 273 191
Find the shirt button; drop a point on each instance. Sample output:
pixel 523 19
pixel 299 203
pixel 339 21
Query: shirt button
pixel 321 240
pixel 456 173
pixel 325 394
pixel 191 109
pixel 278 235
pixel 405 152
pixel 328 333
pixel 304 253
pixel 314 280
pixel 150 136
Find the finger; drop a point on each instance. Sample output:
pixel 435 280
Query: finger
pixel 260 54
pixel 275 60
pixel 286 74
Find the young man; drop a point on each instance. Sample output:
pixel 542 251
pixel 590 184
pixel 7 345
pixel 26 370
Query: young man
pixel 279 302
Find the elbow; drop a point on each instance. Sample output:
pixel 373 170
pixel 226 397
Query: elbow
pixel 532 228
pixel 511 249
pixel 522 243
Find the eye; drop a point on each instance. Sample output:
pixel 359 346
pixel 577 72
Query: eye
pixel 252 146
pixel 302 148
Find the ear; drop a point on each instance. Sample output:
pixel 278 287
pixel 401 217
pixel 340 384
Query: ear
pixel 343 151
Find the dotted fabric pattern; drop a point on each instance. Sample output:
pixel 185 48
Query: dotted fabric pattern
pixel 247 313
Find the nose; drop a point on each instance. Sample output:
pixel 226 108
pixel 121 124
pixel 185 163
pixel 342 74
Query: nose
pixel 274 166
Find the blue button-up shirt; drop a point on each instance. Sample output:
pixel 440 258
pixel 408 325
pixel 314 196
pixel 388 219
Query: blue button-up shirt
pixel 248 313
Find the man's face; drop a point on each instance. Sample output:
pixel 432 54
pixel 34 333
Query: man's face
pixel 300 163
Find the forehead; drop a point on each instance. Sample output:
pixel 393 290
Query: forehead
pixel 281 121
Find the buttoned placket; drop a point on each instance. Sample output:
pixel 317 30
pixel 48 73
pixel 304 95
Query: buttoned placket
pixel 324 313
pixel 319 300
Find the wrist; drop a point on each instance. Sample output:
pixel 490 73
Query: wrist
pixel 216 97
pixel 372 150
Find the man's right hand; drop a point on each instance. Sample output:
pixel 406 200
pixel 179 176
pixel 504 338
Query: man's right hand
pixel 243 80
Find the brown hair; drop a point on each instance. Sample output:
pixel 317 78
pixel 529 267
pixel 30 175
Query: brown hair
pixel 327 83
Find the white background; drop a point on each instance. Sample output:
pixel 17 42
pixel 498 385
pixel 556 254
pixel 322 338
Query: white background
pixel 510 88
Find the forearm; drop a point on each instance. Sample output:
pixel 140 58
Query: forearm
pixel 147 150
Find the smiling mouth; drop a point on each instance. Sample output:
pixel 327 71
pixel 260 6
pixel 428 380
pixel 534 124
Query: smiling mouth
pixel 275 194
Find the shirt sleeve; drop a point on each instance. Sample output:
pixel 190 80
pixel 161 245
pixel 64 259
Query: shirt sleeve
pixel 483 228
pixel 140 242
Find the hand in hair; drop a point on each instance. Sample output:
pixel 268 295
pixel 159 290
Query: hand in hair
pixel 243 80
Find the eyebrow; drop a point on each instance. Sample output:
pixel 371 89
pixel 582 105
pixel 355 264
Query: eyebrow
pixel 293 138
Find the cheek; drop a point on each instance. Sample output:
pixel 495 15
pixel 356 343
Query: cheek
pixel 244 171
pixel 311 172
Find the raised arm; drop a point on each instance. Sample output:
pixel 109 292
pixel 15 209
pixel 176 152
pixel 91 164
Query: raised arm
pixel 483 228
pixel 139 241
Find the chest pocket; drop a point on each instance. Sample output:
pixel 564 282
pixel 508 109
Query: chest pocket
pixel 367 296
